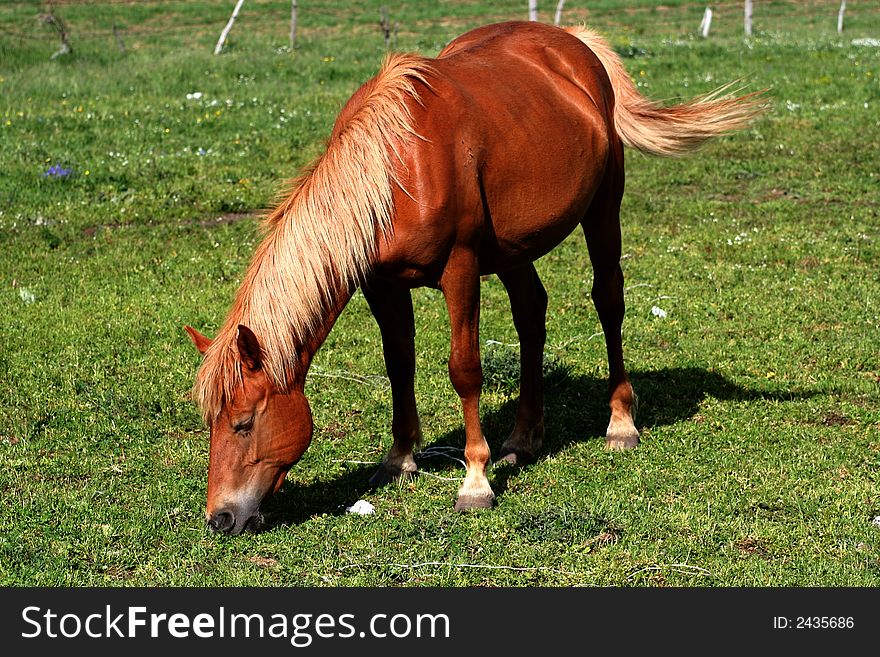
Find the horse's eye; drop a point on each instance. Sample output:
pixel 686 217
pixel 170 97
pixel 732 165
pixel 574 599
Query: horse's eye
pixel 245 425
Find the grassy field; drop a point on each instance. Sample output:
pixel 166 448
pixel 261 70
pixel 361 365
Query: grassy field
pixel 129 196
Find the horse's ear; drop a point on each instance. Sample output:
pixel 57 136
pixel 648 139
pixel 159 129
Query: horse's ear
pixel 200 341
pixel 249 349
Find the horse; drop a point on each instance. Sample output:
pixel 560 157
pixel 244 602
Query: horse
pixel 439 171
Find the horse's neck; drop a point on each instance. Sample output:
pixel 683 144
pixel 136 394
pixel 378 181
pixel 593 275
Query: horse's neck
pixel 342 295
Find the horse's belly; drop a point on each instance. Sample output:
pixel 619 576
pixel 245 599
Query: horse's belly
pixel 536 192
pixel 512 248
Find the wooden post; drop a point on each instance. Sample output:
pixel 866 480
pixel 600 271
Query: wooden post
pixel 119 41
pixel 385 24
pixel 293 24
pixel 533 10
pixel 706 23
pixel 558 18
pixel 840 16
pixel 747 18
pixel 219 47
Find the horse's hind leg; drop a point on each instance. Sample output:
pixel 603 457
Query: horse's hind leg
pixel 602 231
pixel 528 303
pixel 392 308
pixel 461 288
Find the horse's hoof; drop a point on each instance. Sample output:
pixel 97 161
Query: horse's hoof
pixel 515 457
pixel 385 475
pixel 508 459
pixel 620 443
pixel 473 502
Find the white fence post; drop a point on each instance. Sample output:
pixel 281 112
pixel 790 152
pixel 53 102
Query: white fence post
pixel 293 23
pixel 840 16
pixel 228 27
pixel 533 10
pixel 706 23
pixel 558 18
pixel 747 18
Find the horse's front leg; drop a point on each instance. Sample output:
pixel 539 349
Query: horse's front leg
pixel 461 288
pixel 392 307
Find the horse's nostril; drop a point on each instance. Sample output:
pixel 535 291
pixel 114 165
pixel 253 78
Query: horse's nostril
pixel 222 521
pixel 254 523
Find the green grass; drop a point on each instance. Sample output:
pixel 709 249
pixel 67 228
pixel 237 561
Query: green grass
pixel 759 389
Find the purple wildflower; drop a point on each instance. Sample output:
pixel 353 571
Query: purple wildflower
pixel 57 171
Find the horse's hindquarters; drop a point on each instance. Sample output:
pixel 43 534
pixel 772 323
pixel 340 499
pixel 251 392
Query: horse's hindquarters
pixel 513 151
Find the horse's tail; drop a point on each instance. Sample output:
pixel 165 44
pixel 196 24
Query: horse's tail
pixel 676 129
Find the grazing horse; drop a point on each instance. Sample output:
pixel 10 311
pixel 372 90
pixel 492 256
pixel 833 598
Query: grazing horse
pixel 438 171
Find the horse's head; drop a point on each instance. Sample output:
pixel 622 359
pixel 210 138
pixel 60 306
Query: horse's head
pixel 258 433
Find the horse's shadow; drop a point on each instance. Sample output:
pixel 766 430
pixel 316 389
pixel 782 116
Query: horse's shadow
pixel 576 409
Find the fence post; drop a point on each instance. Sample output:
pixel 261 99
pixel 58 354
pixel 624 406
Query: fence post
pixel 840 16
pixel 293 23
pixel 706 23
pixel 385 24
pixel 533 10
pixel 119 41
pixel 228 27
pixel 747 18
pixel 558 18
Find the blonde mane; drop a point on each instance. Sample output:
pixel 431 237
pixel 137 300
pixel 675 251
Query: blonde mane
pixel 321 238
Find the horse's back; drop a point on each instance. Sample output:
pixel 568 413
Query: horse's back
pixel 517 127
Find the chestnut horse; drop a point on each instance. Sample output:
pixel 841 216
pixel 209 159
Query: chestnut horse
pixel 438 171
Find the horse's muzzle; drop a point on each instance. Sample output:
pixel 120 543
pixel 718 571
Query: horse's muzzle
pixel 226 522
